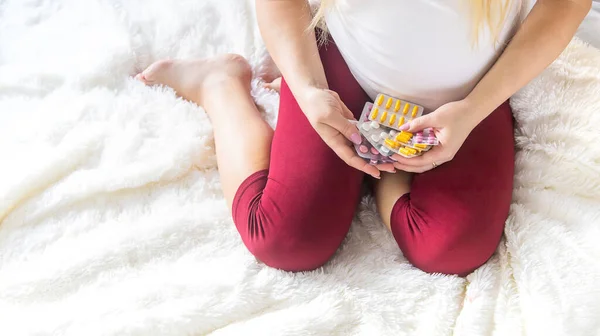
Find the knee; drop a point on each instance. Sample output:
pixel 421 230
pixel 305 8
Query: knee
pixel 293 243
pixel 292 251
pixel 445 261
pixel 442 248
pixel 282 232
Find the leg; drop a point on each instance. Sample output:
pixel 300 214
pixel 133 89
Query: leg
pixel 453 218
pixel 294 215
pixel 210 83
pixel 388 190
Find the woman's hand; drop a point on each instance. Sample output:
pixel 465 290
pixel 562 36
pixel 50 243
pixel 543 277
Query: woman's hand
pixel 330 117
pixel 452 123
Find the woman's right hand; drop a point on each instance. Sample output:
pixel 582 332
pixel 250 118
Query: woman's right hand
pixel 330 117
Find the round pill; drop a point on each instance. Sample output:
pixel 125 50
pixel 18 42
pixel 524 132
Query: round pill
pixel 375 138
pixel 393 133
pixel 431 141
pixel 366 126
pixel 363 149
pixel 374 151
pixel 385 150
pixel 383 135
pixel 374 124
pixel 373 162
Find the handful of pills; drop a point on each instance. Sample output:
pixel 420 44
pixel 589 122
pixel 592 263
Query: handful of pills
pixel 379 125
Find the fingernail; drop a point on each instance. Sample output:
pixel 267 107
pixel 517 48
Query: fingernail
pixel 356 138
pixel 377 177
pixel 404 127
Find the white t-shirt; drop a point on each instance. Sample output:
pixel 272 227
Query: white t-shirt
pixel 417 50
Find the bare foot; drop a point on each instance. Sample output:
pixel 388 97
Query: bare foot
pixel 193 79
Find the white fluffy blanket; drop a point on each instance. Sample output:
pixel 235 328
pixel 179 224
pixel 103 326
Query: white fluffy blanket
pixel 112 221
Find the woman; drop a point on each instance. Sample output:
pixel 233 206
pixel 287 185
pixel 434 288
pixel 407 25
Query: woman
pixel 293 192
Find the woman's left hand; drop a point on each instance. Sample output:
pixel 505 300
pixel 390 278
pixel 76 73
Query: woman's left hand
pixel 452 123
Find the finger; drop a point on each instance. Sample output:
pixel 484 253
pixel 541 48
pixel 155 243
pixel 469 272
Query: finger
pixel 387 167
pixel 341 147
pixel 437 155
pixel 419 123
pixel 412 169
pixel 345 127
pixel 346 111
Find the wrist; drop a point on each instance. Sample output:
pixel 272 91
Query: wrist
pixel 477 110
pixel 306 93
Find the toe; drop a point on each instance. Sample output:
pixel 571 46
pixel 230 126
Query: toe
pixel 274 85
pixel 141 78
pixel 154 71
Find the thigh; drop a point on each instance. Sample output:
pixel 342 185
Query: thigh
pixel 478 181
pixel 313 178
pixel 453 218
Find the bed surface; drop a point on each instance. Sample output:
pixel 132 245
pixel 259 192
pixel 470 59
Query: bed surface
pixel 112 221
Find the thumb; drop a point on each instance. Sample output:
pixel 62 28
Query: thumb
pixel 418 124
pixel 346 128
pixel 343 108
pixel 346 112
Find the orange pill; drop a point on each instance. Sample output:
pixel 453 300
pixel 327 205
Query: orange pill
pixel 389 103
pixel 402 138
pixel 415 111
pixel 391 143
pixel 383 117
pixel 400 121
pixel 406 107
pixel 374 114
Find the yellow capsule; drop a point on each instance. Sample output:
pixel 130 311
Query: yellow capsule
pixel 405 151
pixel 398 104
pixel 421 146
pixel 406 133
pixel 374 113
pixel 392 119
pixel 400 121
pixel 383 117
pixel 412 151
pixel 391 143
pixel 415 111
pixel 380 100
pixel 389 103
pixel 402 138
pixel 405 110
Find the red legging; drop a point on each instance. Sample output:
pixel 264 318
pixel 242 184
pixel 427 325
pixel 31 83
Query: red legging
pixel 295 215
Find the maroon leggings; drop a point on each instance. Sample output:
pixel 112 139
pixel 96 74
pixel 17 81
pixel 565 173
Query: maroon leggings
pixel 295 215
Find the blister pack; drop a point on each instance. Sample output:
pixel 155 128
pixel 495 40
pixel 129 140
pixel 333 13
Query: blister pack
pixel 379 125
